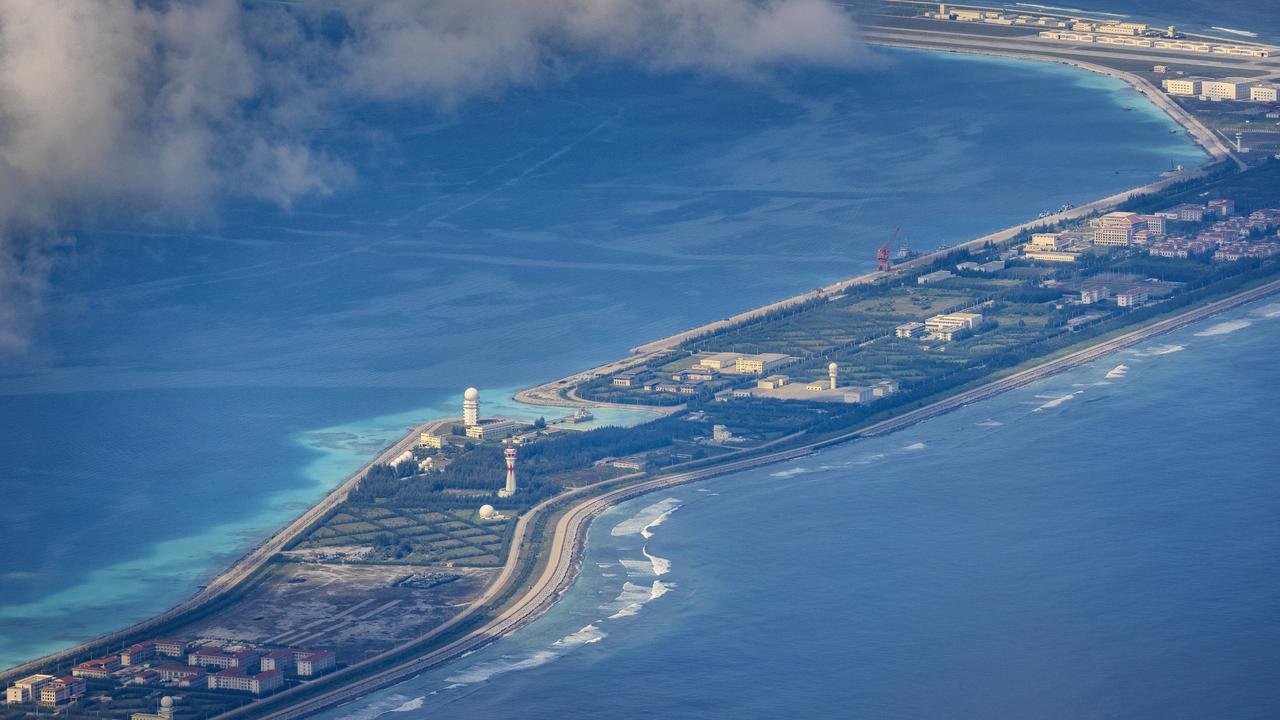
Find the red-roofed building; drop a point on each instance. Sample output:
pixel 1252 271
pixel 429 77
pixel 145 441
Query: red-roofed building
pixel 282 660
pixel 314 662
pixel 218 657
pixel 1132 297
pixel 139 653
pixel 99 669
pixel 183 675
pixel 62 690
pixel 267 681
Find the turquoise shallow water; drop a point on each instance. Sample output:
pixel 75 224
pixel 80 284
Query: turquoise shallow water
pixel 188 383
pixel 1099 544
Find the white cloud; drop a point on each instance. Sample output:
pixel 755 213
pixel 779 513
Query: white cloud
pixel 164 109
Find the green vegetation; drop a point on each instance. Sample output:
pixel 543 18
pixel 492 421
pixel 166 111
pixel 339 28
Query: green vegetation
pixel 413 536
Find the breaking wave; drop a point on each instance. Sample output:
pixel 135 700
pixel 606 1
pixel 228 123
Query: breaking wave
pixel 643 521
pixel 1224 328
pixel 1056 401
pixel 914 446
pixel 633 597
pixel 789 472
pixel 1117 371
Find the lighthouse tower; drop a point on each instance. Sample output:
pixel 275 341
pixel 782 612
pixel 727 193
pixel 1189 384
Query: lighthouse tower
pixel 471 407
pixel 832 370
pixel 510 454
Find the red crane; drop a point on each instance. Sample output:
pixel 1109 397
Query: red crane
pixel 882 255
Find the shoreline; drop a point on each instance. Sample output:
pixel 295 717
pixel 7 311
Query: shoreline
pixel 564 554
pixel 567 547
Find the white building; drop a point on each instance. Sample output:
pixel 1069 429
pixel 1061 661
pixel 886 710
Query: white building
pixel 1132 297
pixel 909 330
pixel 1095 294
pixel 27 689
pixel 471 407
pixel 1264 92
pixel 953 321
pixel 720 433
pixel 1117 228
pixel 933 277
pixel 491 428
pixel 859 394
pixel 1182 85
pixel 1225 89
pixel 760 364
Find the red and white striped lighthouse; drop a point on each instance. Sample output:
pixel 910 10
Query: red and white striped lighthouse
pixel 510 454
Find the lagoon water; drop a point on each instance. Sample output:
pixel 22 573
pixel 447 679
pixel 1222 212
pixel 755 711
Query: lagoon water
pixel 1100 544
pixel 193 388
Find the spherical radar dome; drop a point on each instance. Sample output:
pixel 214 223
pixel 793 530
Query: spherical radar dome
pixel 471 394
pixel 833 366
pixel 486 512
pixel 166 702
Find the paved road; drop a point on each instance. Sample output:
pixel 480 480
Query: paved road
pixel 564 552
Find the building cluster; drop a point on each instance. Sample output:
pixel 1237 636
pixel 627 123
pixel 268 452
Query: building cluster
pixel 45 690
pixel 1102 32
pixel 945 327
pixel 1232 88
pixel 1115 34
pixel 710 367
pixel 210 665
pixel 995 17
pixel 1227 239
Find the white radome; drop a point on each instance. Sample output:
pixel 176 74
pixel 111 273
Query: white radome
pixel 471 394
pixel 833 367
pixel 486 512
pixel 166 702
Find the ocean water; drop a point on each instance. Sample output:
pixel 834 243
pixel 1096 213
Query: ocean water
pixel 193 388
pixel 1100 544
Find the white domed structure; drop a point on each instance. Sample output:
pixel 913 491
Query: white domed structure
pixel 832 370
pixel 487 512
pixel 166 702
pixel 471 407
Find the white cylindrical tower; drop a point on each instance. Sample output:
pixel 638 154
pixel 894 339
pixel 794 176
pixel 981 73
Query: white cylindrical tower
pixel 471 407
pixel 832 370
pixel 510 455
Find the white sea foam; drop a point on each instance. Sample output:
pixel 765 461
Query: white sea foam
pixel 870 458
pixel 1224 328
pixel 661 565
pixel 1055 402
pixel 1233 31
pixel 392 703
pixel 633 597
pixel 486 670
pixel 651 516
pixel 1267 311
pixel 990 423
pixel 413 704
pixel 914 446
pixel 1162 349
pixel 1117 371
pixel 585 636
pixel 789 472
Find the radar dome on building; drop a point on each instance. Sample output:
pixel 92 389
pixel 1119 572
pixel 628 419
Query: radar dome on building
pixel 833 366
pixel 166 702
pixel 470 394
pixel 486 512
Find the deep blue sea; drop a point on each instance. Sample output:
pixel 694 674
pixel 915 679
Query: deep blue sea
pixel 1100 544
pixel 194 387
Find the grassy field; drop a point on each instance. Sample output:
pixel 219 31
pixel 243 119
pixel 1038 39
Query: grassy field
pixel 408 536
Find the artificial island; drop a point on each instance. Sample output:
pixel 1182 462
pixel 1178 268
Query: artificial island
pixel 471 526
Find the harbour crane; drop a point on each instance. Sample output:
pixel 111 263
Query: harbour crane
pixel 882 255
